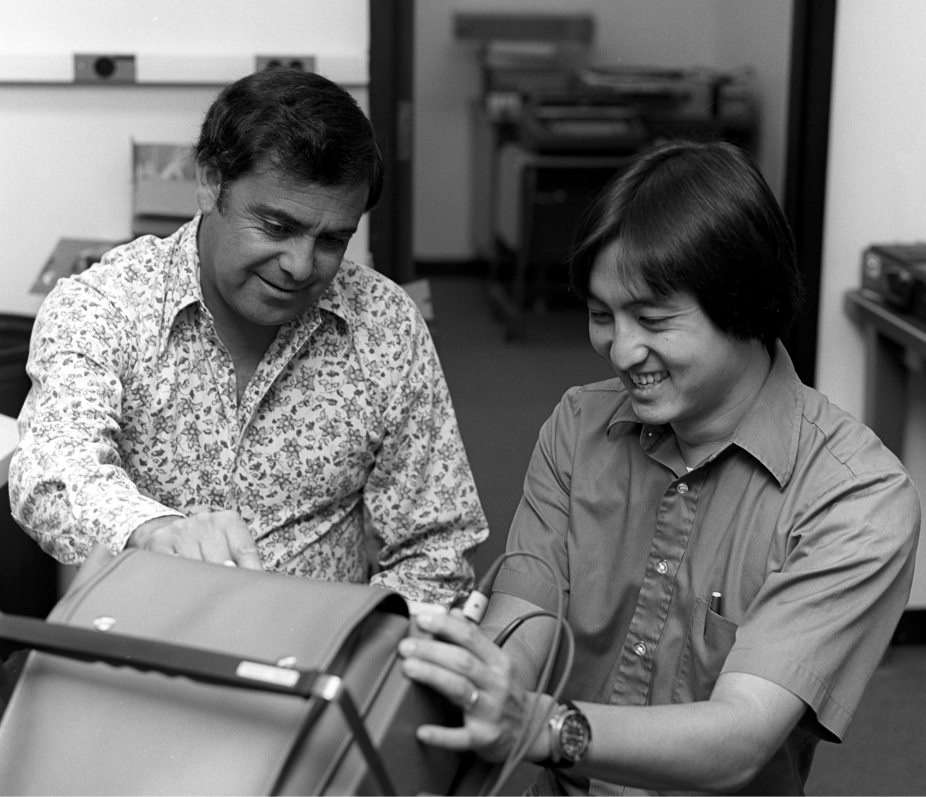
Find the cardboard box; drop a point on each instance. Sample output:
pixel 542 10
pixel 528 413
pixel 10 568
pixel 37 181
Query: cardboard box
pixel 70 256
pixel 164 195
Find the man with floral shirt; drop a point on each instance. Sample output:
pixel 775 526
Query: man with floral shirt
pixel 237 393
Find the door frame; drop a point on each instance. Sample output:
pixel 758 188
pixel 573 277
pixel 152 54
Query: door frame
pixel 813 34
pixel 391 86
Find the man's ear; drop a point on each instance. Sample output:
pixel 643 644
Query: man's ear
pixel 208 185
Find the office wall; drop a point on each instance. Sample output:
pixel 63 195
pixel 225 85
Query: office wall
pixel 65 163
pixel 723 34
pixel 876 192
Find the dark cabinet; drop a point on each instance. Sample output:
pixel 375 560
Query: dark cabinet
pixel 540 200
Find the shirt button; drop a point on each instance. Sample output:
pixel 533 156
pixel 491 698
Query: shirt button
pixel 662 568
pixel 640 648
pixel 682 488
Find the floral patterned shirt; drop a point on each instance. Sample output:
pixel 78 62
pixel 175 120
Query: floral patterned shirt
pixel 345 432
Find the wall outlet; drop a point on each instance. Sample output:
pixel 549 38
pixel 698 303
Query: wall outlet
pixel 104 68
pixel 306 63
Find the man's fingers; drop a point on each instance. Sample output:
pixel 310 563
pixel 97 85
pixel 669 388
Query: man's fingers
pixel 231 544
pixel 453 628
pixel 449 738
pixel 166 540
pixel 241 544
pixel 211 536
pixel 423 665
pixel 248 557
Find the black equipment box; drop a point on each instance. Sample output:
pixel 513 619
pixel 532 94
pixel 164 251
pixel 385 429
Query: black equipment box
pixel 897 274
pixel 581 122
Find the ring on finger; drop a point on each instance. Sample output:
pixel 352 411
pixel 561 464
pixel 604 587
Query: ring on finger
pixel 471 701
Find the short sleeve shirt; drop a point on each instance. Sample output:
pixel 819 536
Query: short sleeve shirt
pixel 804 523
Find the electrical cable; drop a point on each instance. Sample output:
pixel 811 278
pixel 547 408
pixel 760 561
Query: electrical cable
pixel 516 755
pixel 521 750
pixel 502 637
pixel 474 608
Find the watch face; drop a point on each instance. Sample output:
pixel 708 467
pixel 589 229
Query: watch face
pixel 574 736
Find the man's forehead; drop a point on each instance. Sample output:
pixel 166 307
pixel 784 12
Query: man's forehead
pixel 266 169
pixel 609 282
pixel 618 264
pixel 611 272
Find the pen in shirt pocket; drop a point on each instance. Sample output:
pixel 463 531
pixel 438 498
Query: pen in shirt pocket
pixel 716 603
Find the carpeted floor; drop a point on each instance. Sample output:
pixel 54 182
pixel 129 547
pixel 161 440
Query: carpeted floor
pixel 885 748
pixel 503 392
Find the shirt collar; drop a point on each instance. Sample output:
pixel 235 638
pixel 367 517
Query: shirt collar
pixel 770 429
pixel 184 288
pixel 334 299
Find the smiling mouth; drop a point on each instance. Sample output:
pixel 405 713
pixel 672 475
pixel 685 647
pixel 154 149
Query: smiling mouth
pixel 278 287
pixel 649 380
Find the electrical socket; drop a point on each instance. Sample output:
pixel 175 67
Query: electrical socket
pixel 305 63
pixel 104 68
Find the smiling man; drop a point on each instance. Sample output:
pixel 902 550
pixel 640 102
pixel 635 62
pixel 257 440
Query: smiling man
pixel 238 392
pixel 735 550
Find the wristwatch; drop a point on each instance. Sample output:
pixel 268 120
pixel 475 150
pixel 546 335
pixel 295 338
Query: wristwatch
pixel 570 735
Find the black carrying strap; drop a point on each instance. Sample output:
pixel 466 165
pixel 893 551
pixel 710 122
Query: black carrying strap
pixel 198 664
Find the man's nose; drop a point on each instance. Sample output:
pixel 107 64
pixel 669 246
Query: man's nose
pixel 298 259
pixel 627 348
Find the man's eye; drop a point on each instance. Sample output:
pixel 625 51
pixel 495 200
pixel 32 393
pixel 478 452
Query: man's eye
pixel 275 230
pixel 652 321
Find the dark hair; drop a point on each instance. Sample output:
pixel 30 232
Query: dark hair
pixel 698 217
pixel 304 125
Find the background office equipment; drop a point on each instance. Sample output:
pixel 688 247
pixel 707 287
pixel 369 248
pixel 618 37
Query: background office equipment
pixel 889 308
pixel 896 274
pixel 524 51
pixel 550 130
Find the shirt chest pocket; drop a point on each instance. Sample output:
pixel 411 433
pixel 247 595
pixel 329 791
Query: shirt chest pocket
pixel 710 639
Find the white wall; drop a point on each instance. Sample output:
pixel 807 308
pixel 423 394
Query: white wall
pixel 65 164
pixel 723 34
pixel 876 192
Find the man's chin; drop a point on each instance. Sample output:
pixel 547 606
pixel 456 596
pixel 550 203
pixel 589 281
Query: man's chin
pixel 652 413
pixel 275 313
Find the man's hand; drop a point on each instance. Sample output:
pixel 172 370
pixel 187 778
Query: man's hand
pixel 457 659
pixel 221 537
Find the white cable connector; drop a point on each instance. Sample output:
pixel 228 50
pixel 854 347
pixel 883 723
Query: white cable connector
pixel 474 608
pixel 477 602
